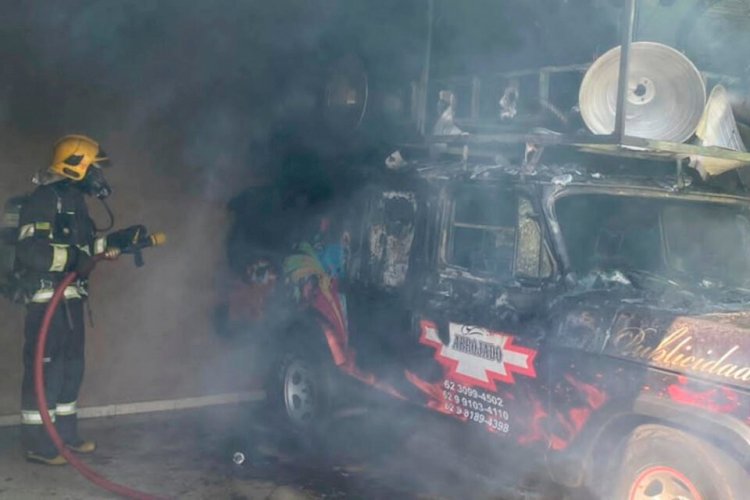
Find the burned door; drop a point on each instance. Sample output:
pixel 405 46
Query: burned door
pixel 390 236
pixel 378 299
pixel 478 316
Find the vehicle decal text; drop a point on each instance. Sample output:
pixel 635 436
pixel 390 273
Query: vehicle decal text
pixel 677 350
pixel 476 406
pixel 479 357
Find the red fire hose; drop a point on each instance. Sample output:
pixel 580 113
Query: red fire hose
pixel 41 399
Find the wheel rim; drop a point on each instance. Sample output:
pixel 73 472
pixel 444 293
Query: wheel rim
pixel 663 483
pixel 300 394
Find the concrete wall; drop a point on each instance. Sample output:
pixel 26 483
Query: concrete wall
pixel 152 338
pixel 187 97
pixel 184 97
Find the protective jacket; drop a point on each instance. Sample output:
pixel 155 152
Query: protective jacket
pixel 54 226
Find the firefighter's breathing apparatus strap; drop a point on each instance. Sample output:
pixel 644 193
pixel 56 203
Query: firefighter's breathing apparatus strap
pixel 111 216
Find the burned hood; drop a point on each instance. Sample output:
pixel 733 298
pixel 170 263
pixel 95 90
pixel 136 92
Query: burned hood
pixel 684 297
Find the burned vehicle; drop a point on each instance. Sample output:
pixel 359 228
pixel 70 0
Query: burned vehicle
pixel 574 314
pixel 581 299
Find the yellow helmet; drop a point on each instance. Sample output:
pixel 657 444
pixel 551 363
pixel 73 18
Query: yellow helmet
pixel 74 154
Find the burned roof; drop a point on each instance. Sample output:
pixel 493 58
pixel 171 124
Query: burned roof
pixel 588 170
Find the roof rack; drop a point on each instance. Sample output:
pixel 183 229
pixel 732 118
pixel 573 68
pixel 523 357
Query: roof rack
pixel 483 136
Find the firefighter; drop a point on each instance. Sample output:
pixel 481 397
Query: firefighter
pixel 56 236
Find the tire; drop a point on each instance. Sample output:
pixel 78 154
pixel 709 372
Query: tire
pixel 664 463
pixel 299 392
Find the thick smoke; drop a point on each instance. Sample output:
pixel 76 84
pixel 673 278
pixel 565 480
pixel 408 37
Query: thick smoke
pixel 196 101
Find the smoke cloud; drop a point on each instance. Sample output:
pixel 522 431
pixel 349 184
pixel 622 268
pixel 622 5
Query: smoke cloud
pixel 196 101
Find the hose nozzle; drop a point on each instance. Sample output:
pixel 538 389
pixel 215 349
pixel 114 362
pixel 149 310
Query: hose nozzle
pixel 152 240
pixel 157 239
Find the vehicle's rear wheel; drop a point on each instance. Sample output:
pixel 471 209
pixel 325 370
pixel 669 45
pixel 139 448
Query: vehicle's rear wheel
pixel 661 463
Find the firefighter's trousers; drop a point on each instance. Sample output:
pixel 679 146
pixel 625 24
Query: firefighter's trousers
pixel 63 374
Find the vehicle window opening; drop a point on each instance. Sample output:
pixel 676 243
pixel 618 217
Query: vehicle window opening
pixel 721 253
pixel 483 231
pixel 689 241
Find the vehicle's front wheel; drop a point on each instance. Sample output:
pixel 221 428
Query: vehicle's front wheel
pixel 299 391
pixel 664 463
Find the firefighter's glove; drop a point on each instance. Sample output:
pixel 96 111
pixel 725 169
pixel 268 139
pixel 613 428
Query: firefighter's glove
pixel 80 262
pixel 126 238
pixel 112 253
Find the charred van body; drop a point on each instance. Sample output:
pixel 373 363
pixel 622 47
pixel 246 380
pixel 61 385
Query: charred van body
pixel 566 313
pixel 578 298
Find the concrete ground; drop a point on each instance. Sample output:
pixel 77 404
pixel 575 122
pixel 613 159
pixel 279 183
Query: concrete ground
pixel 188 454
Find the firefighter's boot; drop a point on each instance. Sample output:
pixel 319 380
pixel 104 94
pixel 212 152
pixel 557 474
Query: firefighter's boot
pixel 67 427
pixel 39 448
pixel 38 458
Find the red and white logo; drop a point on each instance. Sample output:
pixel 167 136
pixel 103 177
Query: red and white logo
pixel 478 357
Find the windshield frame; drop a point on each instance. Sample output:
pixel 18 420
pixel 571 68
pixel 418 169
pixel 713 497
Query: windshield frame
pixel 553 193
